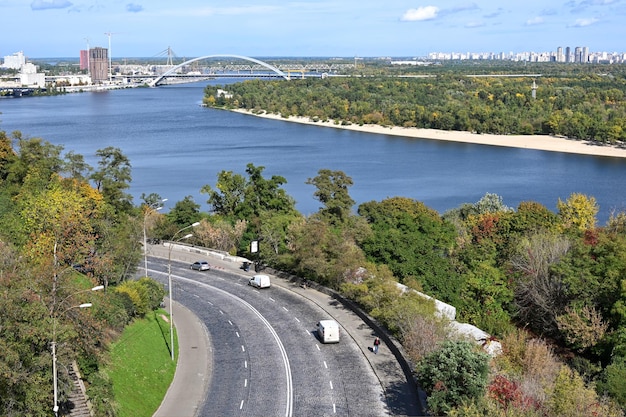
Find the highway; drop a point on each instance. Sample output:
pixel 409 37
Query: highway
pixel 266 358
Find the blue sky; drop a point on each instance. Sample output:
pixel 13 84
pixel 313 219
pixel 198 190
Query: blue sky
pixel 325 28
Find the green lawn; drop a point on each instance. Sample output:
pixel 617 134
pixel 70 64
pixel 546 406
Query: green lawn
pixel 141 366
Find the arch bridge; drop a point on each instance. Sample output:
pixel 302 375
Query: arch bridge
pixel 173 70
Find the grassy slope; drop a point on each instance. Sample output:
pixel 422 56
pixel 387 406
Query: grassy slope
pixel 141 366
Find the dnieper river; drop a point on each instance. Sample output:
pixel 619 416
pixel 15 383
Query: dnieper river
pixel 176 146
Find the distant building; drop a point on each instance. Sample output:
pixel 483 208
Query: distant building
pixel 14 61
pixel 99 64
pixel 30 77
pixel 84 59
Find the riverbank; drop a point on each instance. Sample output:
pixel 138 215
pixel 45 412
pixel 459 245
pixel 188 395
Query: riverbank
pixel 537 142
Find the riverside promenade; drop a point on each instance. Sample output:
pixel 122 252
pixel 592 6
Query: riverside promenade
pixel 193 371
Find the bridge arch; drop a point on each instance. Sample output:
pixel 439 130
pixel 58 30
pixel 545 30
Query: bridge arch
pixel 245 58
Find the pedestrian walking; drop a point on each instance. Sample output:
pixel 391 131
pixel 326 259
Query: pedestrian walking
pixel 376 343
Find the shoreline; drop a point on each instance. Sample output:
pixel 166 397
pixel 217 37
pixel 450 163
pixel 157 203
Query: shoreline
pixel 534 142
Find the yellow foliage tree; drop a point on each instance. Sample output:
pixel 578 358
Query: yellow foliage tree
pixel 578 212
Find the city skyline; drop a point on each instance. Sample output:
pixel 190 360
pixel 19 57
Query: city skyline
pixel 61 28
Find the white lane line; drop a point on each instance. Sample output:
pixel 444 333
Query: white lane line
pixel 271 299
pixel 318 347
pixel 331 384
pixel 297 319
pixel 334 409
pixel 210 303
pixel 325 365
pixel 241 405
pixel 285 308
pixel 230 322
pixel 237 333
pixel 287 366
pixel 243 348
pixel 245 364
pixel 221 312
pixel 245 382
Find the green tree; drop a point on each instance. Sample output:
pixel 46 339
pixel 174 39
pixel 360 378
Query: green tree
pixel 332 192
pixel 413 241
pixel 184 213
pixel 453 374
pixel 113 177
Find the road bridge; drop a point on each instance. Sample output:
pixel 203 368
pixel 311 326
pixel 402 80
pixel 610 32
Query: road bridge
pixel 173 70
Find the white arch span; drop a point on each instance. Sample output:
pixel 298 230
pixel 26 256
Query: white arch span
pixel 246 58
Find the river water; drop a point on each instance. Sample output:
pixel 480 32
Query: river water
pixel 176 146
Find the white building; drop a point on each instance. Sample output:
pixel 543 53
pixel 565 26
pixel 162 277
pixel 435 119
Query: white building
pixel 29 76
pixel 14 61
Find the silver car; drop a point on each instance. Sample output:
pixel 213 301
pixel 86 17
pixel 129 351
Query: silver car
pixel 200 266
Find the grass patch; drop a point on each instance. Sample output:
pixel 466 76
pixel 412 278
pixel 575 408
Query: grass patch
pixel 141 367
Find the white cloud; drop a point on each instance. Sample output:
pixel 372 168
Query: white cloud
pixel 534 21
pixel 421 13
pixel 579 23
pixel 471 25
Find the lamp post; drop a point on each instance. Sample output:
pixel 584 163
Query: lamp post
pixel 53 344
pixel 169 278
pixel 149 207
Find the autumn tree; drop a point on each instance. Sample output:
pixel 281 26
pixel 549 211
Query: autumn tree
pixel 578 212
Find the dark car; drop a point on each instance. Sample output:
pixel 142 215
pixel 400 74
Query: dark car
pixel 200 266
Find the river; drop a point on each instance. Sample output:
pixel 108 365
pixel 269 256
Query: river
pixel 176 146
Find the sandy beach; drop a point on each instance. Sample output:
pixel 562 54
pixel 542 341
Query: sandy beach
pixel 538 142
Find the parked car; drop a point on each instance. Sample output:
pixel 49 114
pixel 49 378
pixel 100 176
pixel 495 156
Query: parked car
pixel 200 266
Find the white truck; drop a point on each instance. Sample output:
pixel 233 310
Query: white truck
pixel 328 331
pixel 260 281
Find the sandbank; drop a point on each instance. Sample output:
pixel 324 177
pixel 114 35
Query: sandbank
pixel 537 142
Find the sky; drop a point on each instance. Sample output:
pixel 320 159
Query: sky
pixel 308 28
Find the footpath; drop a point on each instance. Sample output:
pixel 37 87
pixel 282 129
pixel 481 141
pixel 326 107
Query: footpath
pixel 186 393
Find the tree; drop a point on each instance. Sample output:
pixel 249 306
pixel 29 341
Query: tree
pixel 113 177
pixel 332 192
pixel 76 166
pixel 455 373
pixel 539 294
pixel 578 212
pixel 184 212
pixel 414 242
pixel 229 195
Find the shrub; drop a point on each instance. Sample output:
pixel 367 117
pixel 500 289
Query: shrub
pixel 455 373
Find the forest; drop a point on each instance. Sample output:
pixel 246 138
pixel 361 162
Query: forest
pixel 584 105
pixel 550 286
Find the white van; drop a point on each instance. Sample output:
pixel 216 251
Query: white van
pixel 328 331
pixel 260 281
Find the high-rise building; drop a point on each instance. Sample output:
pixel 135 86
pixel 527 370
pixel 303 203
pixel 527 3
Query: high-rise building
pixel 99 64
pixel 578 54
pixel 568 57
pixel 84 59
pixel 559 54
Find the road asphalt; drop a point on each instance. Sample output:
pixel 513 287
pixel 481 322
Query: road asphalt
pixel 193 372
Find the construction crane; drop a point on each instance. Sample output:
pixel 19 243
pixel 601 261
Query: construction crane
pixel 110 69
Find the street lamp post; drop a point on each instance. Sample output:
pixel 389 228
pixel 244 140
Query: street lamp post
pixel 169 279
pixel 53 344
pixel 149 207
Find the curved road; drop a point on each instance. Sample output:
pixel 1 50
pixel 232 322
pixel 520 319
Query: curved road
pixel 266 359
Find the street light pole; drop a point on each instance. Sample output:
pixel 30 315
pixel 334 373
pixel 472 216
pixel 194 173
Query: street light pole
pixel 53 344
pixel 149 207
pixel 169 279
